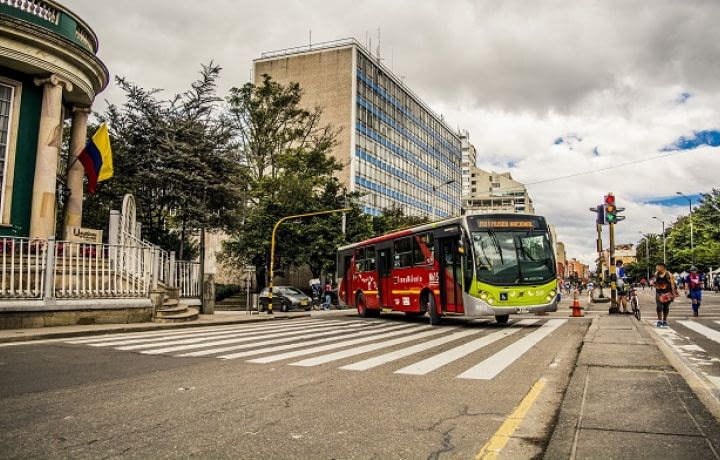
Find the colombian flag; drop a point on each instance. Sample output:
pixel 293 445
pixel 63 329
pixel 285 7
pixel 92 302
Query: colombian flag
pixel 96 158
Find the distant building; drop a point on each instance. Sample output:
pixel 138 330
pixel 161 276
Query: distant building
pixel 624 252
pixel 469 160
pixel 577 269
pixel 396 150
pixel 561 259
pixel 496 192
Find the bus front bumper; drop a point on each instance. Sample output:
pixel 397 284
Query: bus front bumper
pixel 477 307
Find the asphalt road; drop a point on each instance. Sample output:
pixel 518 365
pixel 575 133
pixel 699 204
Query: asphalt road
pixel 135 397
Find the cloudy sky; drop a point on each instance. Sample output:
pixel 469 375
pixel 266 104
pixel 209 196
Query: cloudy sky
pixel 547 89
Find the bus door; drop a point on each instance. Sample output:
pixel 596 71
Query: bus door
pixel 385 264
pixel 450 273
pixel 346 264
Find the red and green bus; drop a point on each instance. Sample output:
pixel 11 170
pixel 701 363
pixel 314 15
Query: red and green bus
pixel 478 265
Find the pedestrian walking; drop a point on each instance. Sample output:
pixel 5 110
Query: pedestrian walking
pixel 665 293
pixel 622 293
pixel 328 295
pixel 693 289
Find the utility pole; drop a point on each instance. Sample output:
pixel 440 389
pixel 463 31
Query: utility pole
pixel 663 236
pixel 432 198
pixel 692 238
pixel 647 256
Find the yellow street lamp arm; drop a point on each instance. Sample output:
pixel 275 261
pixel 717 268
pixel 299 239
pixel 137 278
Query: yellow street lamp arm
pixel 272 244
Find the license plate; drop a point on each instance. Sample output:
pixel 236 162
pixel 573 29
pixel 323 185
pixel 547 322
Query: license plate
pixel 523 310
pixel 303 302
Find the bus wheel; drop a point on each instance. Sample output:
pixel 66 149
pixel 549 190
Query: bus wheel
pixel 361 306
pixel 502 319
pixel 432 310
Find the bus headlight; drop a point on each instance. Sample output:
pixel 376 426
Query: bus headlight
pixel 491 301
pixel 549 298
pixel 484 295
pixel 552 293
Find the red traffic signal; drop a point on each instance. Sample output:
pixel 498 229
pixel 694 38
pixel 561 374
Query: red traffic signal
pixel 610 199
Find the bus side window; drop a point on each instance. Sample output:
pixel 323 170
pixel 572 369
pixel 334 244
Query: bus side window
pixel 418 257
pixel 403 252
pixel 360 260
pixel 427 248
pixel 370 259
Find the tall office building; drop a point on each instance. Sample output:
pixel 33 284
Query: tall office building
pixel 469 161
pixel 496 192
pixel 395 150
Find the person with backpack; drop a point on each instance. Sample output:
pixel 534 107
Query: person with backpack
pixel 665 292
pixel 693 289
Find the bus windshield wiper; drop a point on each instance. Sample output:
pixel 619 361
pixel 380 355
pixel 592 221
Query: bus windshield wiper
pixel 497 245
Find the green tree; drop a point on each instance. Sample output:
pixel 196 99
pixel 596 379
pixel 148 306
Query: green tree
pixel 176 157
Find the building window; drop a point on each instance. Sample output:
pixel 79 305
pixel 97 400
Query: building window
pixel 8 116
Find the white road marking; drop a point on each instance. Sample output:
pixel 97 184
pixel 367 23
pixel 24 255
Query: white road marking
pixel 498 362
pixel 367 348
pixel 693 355
pixel 701 329
pixel 395 355
pixel 404 329
pixel 264 351
pixel 239 336
pixel 188 333
pixel 152 333
pixel 435 362
pixel 283 337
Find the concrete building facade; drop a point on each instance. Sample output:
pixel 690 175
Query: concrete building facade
pixel 469 162
pixel 496 192
pixel 395 150
pixel 49 73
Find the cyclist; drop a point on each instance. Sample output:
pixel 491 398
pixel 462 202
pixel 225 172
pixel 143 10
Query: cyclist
pixel 693 289
pixel 665 291
pixel 622 294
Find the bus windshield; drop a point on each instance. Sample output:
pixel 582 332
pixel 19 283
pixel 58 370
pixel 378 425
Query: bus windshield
pixel 513 257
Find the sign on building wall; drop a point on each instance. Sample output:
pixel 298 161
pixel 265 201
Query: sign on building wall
pixel 84 235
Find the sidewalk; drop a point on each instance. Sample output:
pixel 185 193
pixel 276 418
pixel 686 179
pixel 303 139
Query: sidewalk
pixel 218 319
pixel 625 400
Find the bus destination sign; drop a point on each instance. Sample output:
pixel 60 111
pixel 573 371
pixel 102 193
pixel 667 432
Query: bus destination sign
pixel 506 223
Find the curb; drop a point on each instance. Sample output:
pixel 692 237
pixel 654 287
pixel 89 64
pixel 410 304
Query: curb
pixel 150 327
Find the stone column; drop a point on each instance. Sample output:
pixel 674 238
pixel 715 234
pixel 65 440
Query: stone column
pixel 42 216
pixel 75 172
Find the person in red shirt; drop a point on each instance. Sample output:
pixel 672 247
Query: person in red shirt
pixel 693 289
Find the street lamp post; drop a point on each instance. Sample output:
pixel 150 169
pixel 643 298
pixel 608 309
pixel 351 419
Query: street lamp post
pixel 692 238
pixel 272 246
pixel 432 199
pixel 647 256
pixel 663 235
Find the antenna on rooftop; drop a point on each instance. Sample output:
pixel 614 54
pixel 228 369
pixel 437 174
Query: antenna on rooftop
pixel 310 39
pixel 378 45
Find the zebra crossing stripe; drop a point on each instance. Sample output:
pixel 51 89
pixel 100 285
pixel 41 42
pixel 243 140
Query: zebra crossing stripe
pixel 404 329
pixel 701 329
pixel 134 335
pixel 435 362
pixel 395 355
pixel 284 336
pixel 367 348
pixel 498 362
pixel 258 333
pixel 188 333
pixel 291 346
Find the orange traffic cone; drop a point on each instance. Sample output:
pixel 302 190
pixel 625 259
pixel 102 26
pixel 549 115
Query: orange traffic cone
pixel 575 307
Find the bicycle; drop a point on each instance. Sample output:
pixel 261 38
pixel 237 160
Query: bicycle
pixel 634 303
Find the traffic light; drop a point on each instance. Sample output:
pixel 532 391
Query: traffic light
pixel 600 219
pixel 611 216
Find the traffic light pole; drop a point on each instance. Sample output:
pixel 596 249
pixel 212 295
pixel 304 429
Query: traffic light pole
pixel 600 272
pixel 613 278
